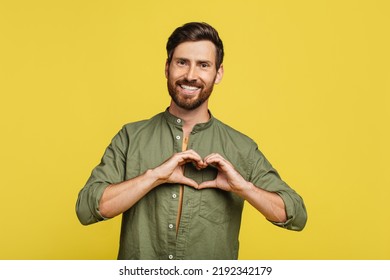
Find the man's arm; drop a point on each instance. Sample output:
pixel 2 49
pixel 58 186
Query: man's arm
pixel 107 194
pixel 270 204
pixel 273 198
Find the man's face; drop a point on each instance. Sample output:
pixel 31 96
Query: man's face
pixel 192 74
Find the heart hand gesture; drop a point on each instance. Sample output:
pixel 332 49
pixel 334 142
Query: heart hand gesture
pixel 171 171
pixel 228 179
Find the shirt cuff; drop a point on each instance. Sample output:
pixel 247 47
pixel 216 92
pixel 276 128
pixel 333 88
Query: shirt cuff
pixel 98 192
pixel 290 212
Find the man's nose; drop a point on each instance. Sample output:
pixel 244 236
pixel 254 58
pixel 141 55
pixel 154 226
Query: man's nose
pixel 191 73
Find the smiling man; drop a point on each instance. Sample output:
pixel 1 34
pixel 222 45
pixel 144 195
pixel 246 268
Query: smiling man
pixel 180 179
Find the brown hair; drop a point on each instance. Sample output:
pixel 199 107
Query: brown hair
pixel 195 31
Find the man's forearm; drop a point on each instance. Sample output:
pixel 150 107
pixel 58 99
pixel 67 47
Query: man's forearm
pixel 270 204
pixel 117 198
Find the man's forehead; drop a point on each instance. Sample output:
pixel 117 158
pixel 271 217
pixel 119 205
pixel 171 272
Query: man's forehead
pixel 198 49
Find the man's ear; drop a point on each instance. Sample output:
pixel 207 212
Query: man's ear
pixel 219 76
pixel 166 68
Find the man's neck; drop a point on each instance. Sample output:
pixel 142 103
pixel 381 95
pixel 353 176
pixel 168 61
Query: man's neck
pixel 190 117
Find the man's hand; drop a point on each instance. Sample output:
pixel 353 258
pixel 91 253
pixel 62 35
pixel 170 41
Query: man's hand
pixel 171 171
pixel 228 179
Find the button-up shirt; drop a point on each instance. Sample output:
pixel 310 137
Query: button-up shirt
pixel 210 218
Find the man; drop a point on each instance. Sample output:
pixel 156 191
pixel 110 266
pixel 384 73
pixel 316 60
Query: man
pixel 180 179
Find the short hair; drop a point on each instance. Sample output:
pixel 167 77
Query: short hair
pixel 195 31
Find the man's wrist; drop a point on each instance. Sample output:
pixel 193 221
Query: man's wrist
pixel 153 177
pixel 245 189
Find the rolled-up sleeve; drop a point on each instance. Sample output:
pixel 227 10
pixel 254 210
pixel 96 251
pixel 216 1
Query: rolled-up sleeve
pixel 111 170
pixel 264 176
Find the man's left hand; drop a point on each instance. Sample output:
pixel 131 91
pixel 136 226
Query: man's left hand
pixel 228 179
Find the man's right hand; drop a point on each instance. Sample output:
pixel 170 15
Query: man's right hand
pixel 171 171
pixel 119 197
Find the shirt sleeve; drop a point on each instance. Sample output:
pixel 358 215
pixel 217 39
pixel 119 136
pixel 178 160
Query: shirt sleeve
pixel 264 176
pixel 111 170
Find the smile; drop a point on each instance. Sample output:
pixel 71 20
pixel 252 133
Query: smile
pixel 189 88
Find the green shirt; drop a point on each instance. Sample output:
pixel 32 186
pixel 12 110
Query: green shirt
pixel 210 219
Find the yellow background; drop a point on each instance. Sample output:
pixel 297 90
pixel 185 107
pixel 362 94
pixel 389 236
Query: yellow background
pixel 309 81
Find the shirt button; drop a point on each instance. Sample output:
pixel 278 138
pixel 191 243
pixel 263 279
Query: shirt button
pixel 178 120
pixel 178 137
pixel 170 226
pixel 174 195
pixel 170 257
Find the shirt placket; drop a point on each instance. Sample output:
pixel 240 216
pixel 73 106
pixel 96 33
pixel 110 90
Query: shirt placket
pixel 190 203
pixel 177 134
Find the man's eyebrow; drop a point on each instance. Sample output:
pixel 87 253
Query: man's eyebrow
pixel 198 61
pixel 205 61
pixel 180 58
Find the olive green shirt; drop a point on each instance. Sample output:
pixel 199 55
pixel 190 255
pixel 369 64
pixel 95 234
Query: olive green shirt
pixel 210 219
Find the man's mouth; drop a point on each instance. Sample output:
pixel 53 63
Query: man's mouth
pixel 189 88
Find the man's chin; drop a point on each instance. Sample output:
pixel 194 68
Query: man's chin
pixel 188 104
pixel 188 101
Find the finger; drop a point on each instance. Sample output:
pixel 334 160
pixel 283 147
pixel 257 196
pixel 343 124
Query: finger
pixel 195 158
pixel 199 166
pixel 208 184
pixel 215 161
pixel 184 158
pixel 211 156
pixel 189 182
pixel 215 158
pixel 191 153
pixel 219 162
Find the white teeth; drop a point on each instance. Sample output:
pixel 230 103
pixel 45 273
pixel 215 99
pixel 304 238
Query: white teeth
pixel 189 87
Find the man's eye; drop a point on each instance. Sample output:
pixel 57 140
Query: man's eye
pixel 181 62
pixel 204 65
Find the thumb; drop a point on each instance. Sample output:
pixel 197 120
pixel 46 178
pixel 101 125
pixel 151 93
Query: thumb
pixel 208 184
pixel 189 182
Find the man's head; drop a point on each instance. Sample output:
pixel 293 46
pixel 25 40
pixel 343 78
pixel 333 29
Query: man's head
pixel 194 64
pixel 196 31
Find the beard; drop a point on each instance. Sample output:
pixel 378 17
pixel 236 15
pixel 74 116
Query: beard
pixel 189 102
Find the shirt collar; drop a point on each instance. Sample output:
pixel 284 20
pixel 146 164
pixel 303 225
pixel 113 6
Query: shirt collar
pixel 179 122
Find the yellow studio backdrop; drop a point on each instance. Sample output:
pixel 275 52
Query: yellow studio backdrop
pixel 309 81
